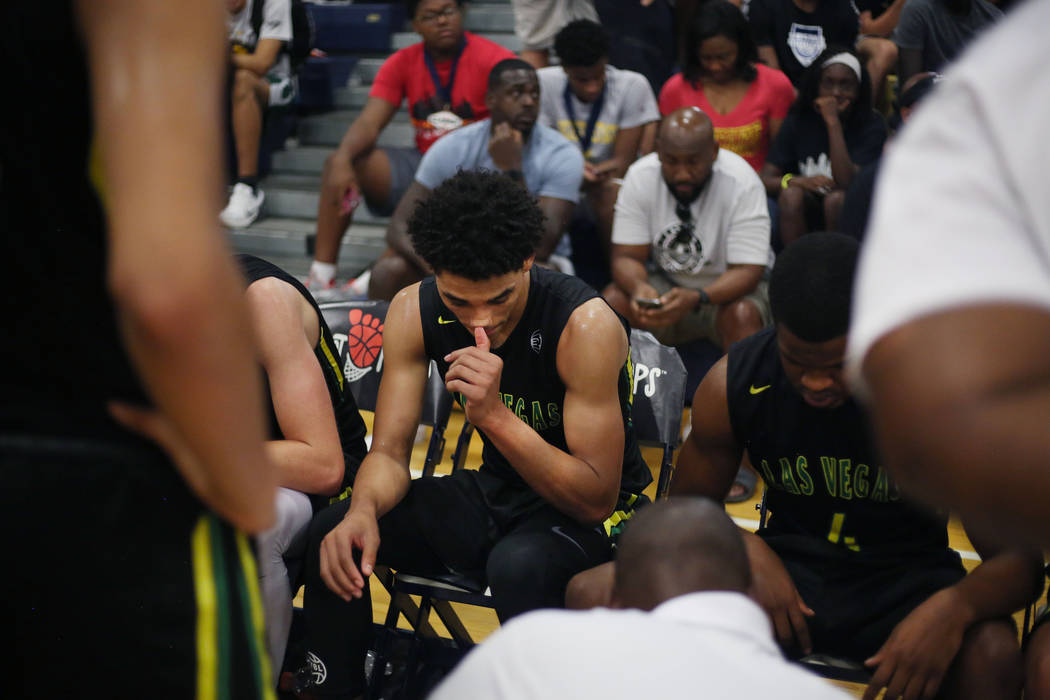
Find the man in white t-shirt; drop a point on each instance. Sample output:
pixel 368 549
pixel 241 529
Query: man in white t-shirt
pixel 610 114
pixel 262 77
pixel 950 337
pixel 691 239
pixel 685 628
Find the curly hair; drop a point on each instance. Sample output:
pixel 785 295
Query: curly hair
pixel 477 225
pixel 581 43
pixel 812 285
pixel 809 87
pixel 719 18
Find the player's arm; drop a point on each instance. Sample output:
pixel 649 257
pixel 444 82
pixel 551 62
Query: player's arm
pixel 383 478
pixel 178 295
pixel 310 457
pixel 959 403
pixel 707 464
pixel 397 231
pixel 584 482
pixel 921 648
pixel 261 60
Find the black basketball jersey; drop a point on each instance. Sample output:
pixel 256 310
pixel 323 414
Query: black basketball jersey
pixel 530 385
pixel 823 472
pixel 352 428
pixel 61 357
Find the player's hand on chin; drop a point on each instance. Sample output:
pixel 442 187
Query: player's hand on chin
pixel 475 373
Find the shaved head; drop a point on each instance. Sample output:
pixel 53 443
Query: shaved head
pixel 686 147
pixel 678 546
pixel 687 128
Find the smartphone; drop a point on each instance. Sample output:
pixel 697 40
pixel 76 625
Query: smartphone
pixel 649 303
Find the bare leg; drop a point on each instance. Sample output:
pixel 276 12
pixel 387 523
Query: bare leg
pixel 792 203
pixel 537 58
pixel 390 274
pixel 880 57
pixel 1037 664
pixel 833 202
pixel 591 588
pixel 248 101
pixel 988 665
pixel 373 176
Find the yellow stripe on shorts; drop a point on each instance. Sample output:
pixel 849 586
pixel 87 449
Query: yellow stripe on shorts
pixel 207 610
pixel 251 583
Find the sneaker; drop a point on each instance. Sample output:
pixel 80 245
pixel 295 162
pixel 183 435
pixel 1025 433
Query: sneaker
pixel 316 284
pixel 243 207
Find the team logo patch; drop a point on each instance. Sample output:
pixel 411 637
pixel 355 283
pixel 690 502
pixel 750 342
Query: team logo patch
pixel 806 42
pixel 364 344
pixel 315 667
pixel 536 342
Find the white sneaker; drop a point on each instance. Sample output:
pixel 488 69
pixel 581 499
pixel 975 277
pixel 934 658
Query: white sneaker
pixel 243 207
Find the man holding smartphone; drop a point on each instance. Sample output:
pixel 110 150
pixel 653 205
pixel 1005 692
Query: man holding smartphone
pixel 691 239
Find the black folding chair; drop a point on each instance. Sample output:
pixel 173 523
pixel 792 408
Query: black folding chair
pixel 658 399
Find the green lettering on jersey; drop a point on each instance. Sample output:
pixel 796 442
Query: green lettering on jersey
pixel 507 400
pixel 846 479
pixel 802 467
pixel 830 468
pixel 537 417
pixel 553 415
pixel 786 477
pixel 881 492
pixel 519 410
pixel 860 481
pixel 767 473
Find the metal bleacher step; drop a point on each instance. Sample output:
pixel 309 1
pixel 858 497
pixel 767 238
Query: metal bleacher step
pixel 295 196
pixel 283 241
pixel 327 129
pixel 365 70
pixel 489 17
pixel 506 39
pixel 352 97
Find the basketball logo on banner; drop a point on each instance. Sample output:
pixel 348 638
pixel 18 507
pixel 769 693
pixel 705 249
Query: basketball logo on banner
pixel 364 345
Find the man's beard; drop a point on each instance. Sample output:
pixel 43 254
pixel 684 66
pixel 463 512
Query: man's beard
pixel 695 191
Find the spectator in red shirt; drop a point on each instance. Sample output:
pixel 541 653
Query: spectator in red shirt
pixel 745 100
pixel 443 78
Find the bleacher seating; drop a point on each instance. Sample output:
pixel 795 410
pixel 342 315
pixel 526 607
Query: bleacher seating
pixel 357 38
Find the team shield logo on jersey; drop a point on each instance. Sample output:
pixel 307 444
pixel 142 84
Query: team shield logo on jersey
pixel 806 42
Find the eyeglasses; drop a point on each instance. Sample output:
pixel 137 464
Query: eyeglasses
pixel 433 17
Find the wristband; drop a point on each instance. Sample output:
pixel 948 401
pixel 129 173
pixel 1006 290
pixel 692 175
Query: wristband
pixel 704 299
pixel 515 175
pixel 785 180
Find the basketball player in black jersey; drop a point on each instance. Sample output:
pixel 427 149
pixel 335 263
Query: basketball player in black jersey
pixel 845 565
pixel 540 364
pixel 129 574
pixel 317 436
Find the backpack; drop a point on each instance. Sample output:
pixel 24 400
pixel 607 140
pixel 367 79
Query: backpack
pixel 298 49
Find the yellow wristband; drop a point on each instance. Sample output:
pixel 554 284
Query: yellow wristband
pixel 785 180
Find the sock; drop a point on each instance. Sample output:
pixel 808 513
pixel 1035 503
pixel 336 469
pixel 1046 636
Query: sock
pixel 322 271
pixel 250 180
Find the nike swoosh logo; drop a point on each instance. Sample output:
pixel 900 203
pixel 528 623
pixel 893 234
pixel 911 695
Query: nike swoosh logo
pixel 758 389
pixel 443 322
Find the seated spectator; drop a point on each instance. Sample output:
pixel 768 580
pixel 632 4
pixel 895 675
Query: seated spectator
pixel 856 205
pixel 317 437
pixel 442 79
pixel 691 239
pixel 262 77
pixel 540 365
pixel 610 114
pixel 745 100
pixel 830 133
pixel 931 33
pixel 683 627
pixel 845 564
pixel 878 18
pixel 540 159
pixel 792 34
pixel 536 22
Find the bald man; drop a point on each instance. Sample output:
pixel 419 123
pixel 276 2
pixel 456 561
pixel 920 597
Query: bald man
pixel 691 239
pixel 679 603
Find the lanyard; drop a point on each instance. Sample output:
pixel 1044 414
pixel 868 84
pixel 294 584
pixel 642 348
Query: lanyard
pixel 444 91
pixel 592 120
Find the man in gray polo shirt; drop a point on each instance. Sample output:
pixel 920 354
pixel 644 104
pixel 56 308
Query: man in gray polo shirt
pixel 510 141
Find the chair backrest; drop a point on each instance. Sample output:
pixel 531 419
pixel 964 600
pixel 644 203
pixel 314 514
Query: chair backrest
pixel 357 329
pixel 659 397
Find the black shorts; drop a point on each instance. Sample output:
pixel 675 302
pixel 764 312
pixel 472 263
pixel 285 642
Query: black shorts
pixel 120 583
pixel 859 599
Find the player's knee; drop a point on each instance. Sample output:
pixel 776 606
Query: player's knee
pixel 522 579
pixel 1037 664
pixel 991 649
pixel 586 590
pixel 833 202
pixel 244 84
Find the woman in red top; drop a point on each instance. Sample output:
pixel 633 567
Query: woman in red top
pixel 745 100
